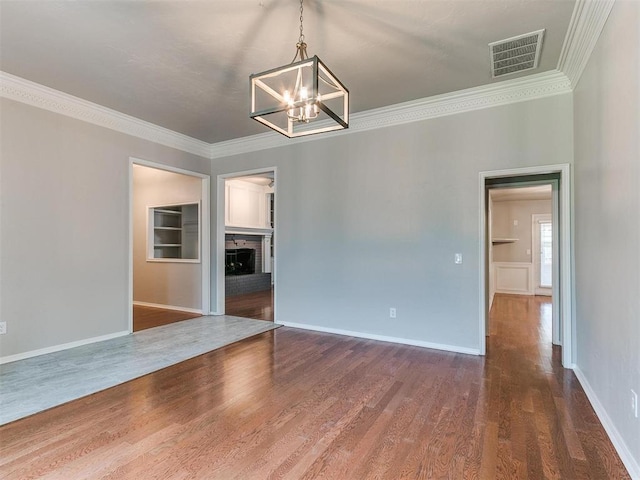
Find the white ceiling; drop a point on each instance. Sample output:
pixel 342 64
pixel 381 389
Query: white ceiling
pixel 185 65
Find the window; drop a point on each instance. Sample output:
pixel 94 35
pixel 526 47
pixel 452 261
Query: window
pixel 546 249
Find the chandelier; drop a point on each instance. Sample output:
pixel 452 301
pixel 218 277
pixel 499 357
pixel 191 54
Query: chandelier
pixel 301 98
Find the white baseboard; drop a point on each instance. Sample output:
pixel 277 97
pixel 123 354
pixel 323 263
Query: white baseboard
pixel 384 338
pixel 169 307
pixel 618 442
pixel 57 348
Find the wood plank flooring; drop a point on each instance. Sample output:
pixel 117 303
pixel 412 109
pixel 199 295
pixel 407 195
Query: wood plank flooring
pixel 301 405
pixel 257 305
pixel 149 317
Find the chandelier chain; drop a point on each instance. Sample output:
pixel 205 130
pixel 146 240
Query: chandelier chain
pixel 301 38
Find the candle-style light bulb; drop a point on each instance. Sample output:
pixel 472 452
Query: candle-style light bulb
pixel 303 93
pixel 287 98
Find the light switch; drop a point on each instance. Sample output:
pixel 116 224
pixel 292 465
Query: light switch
pixel 515 223
pixel 528 251
pixel 458 258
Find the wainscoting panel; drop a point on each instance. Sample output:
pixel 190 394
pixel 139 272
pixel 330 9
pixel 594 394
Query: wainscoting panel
pixel 513 277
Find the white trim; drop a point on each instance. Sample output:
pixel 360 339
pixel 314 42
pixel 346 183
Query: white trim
pixel 585 27
pixel 64 346
pixel 531 87
pixel 565 297
pixel 501 93
pixel 384 338
pixel 205 231
pixel 618 442
pixel 556 334
pixel 169 307
pixel 221 230
pixel 565 266
pixel 31 93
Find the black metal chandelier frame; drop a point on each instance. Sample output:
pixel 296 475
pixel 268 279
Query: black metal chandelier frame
pixel 301 98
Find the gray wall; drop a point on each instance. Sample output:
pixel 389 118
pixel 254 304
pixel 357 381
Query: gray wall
pixel 65 226
pixel 607 220
pixel 372 220
pixel 165 283
pixel 503 215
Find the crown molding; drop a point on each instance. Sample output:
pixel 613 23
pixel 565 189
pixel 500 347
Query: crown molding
pixel 502 93
pixel 31 93
pixel 585 27
pixel 587 22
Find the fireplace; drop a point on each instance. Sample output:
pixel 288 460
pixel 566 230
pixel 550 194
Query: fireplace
pixel 240 261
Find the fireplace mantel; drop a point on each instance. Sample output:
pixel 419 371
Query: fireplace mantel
pixel 264 232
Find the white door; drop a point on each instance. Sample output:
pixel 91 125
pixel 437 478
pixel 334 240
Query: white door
pixel 543 254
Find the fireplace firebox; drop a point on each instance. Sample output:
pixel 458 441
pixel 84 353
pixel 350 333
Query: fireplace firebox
pixel 240 261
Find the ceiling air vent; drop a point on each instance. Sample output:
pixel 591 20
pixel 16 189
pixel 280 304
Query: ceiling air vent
pixel 516 54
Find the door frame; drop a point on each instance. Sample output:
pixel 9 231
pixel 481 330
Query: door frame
pixel 220 236
pixel 564 208
pixel 205 232
pixel 536 220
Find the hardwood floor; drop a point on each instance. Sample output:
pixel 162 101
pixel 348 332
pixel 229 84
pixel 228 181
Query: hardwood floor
pixel 149 317
pixel 301 405
pixel 258 305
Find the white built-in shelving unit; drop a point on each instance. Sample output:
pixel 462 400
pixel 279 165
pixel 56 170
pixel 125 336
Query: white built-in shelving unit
pixel 174 233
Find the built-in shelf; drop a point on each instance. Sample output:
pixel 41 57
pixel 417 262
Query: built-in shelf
pixel 503 240
pixel 168 212
pixel 174 233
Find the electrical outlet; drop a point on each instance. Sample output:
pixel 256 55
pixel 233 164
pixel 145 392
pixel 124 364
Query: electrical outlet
pixel 3 328
pixel 392 312
pixel 457 259
pixel 634 403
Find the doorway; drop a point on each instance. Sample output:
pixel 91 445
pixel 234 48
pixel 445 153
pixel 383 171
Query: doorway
pixel 169 272
pixel 245 252
pixel 558 177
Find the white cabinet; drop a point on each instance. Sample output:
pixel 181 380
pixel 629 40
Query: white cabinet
pixel 246 205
